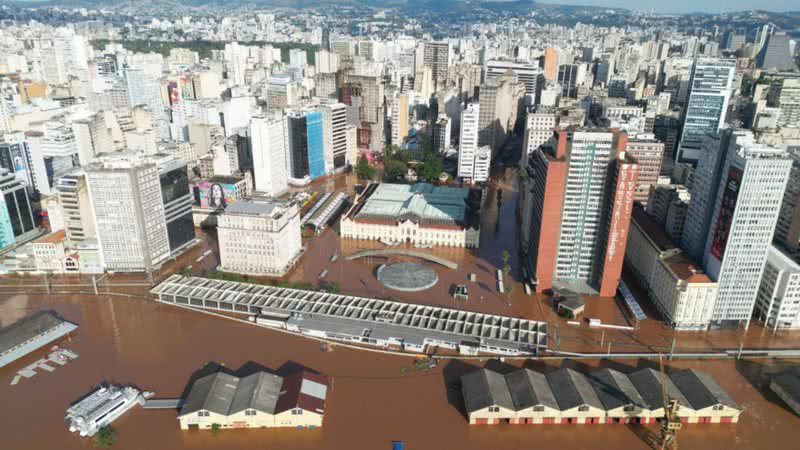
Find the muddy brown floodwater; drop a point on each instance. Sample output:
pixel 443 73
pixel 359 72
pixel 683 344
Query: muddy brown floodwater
pixel 371 403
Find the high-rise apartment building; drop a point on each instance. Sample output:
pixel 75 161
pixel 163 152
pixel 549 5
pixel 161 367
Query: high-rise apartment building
pixel 550 64
pixel 668 204
pixel 468 140
pixel 129 213
pixel 789 103
pixel 568 79
pixel 335 122
pixel 539 126
pixel 76 207
pixel 365 93
pixel 442 130
pixel 437 57
pixel 648 153
pixel 778 300
pixel 399 118
pixel 270 168
pixel 746 204
pixel 500 102
pixel 582 196
pixel 710 89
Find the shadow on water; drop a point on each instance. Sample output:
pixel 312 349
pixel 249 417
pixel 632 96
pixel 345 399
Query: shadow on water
pixel 647 435
pixel 452 373
pixel 760 375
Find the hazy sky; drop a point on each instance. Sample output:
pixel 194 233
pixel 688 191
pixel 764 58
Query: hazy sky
pixel 683 6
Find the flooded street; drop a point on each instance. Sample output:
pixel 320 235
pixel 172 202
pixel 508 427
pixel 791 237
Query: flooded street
pixel 372 401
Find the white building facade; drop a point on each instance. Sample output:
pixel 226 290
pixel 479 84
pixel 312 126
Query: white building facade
pixel 269 155
pixel 778 301
pixel 259 237
pixel 468 141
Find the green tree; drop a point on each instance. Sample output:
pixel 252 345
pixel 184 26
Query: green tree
pixel 105 437
pixel 390 152
pixel 426 143
pixel 332 287
pixel 216 428
pixel 432 167
pixel 506 267
pixel 363 170
pixel 393 171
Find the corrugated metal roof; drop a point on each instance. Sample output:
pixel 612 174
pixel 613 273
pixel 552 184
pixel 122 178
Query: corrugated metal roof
pixel 30 333
pixel 614 389
pixel 572 389
pixel 648 384
pixel 701 390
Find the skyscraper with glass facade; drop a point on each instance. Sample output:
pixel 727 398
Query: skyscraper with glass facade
pixel 709 93
pixel 306 145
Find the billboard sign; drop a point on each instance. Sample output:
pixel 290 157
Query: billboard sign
pixel 727 208
pixel 186 88
pixel 173 92
pixel 215 195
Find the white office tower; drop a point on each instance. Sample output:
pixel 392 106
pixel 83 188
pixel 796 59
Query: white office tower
pixel 50 155
pixel 129 213
pixel 55 62
pixel 236 113
pixel 539 126
pixel 298 58
pixel 259 237
pixel 746 207
pixel 789 103
pixel 188 112
pixel 778 302
pixel 269 155
pixel 710 89
pixel 326 61
pixel 482 164
pixel 92 137
pixel 335 129
pixel 525 71
pixel 235 63
pixel 468 141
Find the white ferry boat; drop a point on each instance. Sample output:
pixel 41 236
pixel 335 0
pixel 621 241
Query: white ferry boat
pixel 103 406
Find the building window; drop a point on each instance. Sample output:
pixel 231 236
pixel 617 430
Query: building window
pixel 203 413
pixel 583 408
pixel 249 412
pixel 538 408
pixel 629 408
pixel 494 409
pixel 297 412
pixel 718 407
